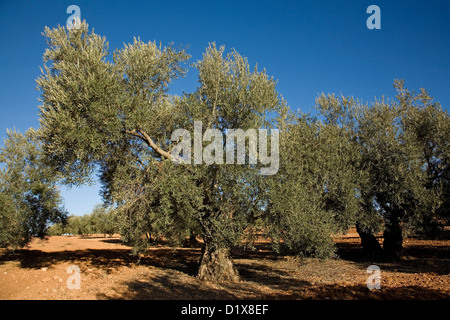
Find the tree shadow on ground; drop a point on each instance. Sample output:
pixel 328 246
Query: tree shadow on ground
pixel 37 259
pixel 172 285
pixel 263 277
pixel 183 260
pixel 273 278
pixel 361 292
pixel 113 241
pixel 417 259
pixel 169 286
pixel 259 250
pixel 260 283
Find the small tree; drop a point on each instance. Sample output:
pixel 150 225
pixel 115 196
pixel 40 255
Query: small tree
pixel 29 198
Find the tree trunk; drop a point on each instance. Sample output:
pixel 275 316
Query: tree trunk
pixel 192 241
pixel 393 239
pixel 216 265
pixel 371 246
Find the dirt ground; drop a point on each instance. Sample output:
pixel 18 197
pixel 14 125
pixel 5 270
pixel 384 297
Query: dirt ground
pixel 109 271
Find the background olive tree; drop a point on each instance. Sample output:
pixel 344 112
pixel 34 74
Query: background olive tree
pixel 29 194
pixel 313 197
pixel 403 149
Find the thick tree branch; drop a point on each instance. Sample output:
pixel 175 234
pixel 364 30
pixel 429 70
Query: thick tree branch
pixel 152 144
pixel 146 138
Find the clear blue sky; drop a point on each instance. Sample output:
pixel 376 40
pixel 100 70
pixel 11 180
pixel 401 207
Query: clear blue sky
pixel 309 46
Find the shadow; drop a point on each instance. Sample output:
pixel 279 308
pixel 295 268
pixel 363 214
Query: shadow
pixel 361 292
pixel 258 282
pixel 353 251
pixel 179 259
pixel 261 250
pixel 262 276
pixel 170 286
pixel 271 277
pixel 418 258
pixel 261 283
pixel 92 237
pixel 423 259
pixel 115 241
pixel 177 278
pixel 37 259
pixel 185 260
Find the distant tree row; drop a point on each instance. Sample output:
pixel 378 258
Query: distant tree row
pixel 102 220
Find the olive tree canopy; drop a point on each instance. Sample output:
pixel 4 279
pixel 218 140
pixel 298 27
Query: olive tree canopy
pixel 115 114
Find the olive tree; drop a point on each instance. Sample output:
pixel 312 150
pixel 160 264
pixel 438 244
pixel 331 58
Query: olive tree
pixel 115 114
pixel 403 168
pixel 313 196
pixel 29 195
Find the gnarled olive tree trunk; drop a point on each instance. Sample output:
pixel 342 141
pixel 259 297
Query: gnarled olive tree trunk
pixel 216 263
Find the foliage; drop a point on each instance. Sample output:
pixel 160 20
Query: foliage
pixel 403 149
pixel 102 220
pixel 118 116
pixel 313 195
pixel 29 198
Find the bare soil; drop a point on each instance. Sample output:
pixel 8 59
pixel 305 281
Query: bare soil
pixel 109 271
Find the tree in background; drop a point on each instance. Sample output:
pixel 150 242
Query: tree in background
pixel 403 163
pixel 427 131
pixel 102 220
pixel 105 220
pixel 29 197
pixel 117 115
pixel 342 113
pixel 313 196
